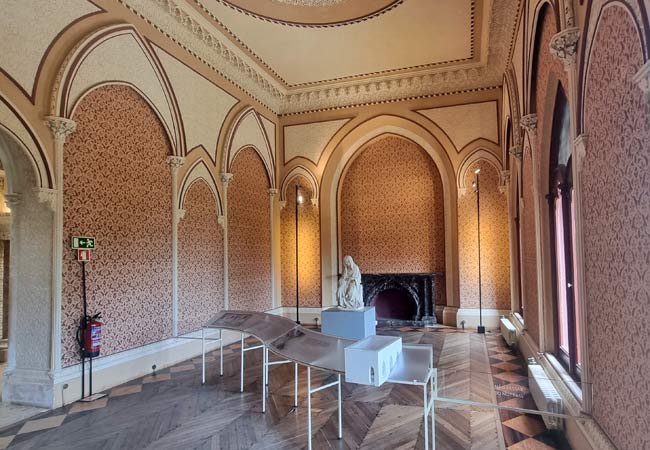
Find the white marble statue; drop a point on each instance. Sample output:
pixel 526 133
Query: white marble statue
pixel 350 293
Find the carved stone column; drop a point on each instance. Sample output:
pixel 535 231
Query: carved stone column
pixel 61 128
pixel 275 248
pixel 226 179
pixel 175 163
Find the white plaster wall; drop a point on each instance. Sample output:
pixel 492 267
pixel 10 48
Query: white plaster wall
pixel 309 140
pixel 203 105
pixel 249 132
pixel 465 123
pixel 28 27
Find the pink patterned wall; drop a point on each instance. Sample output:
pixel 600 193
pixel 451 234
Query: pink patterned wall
pixel 249 234
pixel 392 209
pixel 308 244
pixel 200 259
pixel 616 206
pixel 117 188
pixel 495 251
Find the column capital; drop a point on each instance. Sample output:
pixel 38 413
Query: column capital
pixel 516 151
pixel 564 46
pixel 273 192
pixel 283 203
pixel 580 150
pixel 226 178
pixel 175 162
pixel 48 196
pixel 529 123
pixel 12 200
pixel 221 220
pixel 504 181
pixel 642 79
pixel 61 127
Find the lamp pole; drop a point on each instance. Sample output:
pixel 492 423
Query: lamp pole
pixel 480 329
pixel 298 202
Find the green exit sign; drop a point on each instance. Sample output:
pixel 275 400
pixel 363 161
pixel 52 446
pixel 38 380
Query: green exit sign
pixel 82 242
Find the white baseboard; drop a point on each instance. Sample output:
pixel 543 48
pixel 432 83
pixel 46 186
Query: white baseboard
pixel 471 317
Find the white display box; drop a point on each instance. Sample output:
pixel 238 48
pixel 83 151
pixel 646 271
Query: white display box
pixel 371 360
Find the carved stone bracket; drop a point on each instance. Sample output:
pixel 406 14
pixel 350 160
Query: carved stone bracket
pixel 221 220
pixel 175 162
pixel 48 196
pixel 314 201
pixel 516 151
pixel 642 79
pixel 226 178
pixel 462 191
pixel 283 203
pixel 564 46
pixel 580 151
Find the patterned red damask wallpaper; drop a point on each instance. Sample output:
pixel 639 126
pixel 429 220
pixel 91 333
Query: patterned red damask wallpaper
pixel 308 244
pixel 200 259
pixel 117 188
pixel 392 209
pixel 495 249
pixel 249 234
pixel 616 206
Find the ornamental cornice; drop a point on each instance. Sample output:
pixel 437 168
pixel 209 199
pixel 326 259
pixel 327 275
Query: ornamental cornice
pixel 564 46
pixel 186 27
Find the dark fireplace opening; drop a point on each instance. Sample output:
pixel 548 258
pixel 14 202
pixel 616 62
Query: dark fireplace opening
pixel 394 304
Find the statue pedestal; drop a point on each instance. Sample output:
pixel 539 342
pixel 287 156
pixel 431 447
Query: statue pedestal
pixel 350 324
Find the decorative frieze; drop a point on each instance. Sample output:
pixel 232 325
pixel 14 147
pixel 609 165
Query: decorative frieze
pixel 564 46
pixel 642 79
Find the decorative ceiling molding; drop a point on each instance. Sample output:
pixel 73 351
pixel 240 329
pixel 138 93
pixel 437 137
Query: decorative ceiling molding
pixel 181 23
pixel 309 13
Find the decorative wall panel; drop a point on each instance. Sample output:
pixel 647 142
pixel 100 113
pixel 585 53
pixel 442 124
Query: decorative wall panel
pixel 495 251
pixel 200 259
pixel 392 210
pixel 616 206
pixel 308 244
pixel 249 234
pixel 117 188
pixel 203 105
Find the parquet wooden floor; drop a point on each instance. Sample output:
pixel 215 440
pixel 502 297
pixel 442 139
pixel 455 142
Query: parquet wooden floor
pixel 173 411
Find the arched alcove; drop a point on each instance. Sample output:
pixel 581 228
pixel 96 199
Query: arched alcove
pixel 344 151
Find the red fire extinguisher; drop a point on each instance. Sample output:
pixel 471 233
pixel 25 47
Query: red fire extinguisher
pixel 89 336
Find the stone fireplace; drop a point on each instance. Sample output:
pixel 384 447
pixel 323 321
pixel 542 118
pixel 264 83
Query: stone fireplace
pixel 403 298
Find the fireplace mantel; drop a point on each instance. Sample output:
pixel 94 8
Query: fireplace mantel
pixel 422 288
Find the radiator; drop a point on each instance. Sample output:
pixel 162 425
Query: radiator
pixel 545 395
pixel 508 331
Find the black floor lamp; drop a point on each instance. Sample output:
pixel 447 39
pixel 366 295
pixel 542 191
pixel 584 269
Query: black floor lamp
pixel 299 201
pixel 480 329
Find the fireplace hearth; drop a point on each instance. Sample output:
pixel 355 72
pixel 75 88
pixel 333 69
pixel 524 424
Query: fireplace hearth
pixel 403 298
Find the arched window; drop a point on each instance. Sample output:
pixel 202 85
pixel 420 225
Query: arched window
pixel 561 222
